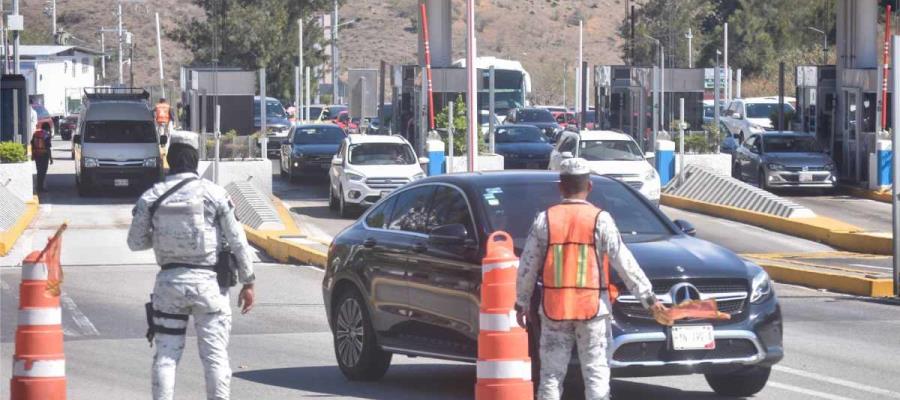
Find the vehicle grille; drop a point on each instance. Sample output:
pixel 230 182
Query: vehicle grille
pixel 658 351
pixel 632 180
pixel 386 183
pixel 735 307
pixel 105 162
pixel 808 168
pixel 796 179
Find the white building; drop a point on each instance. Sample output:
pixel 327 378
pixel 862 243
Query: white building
pixel 57 75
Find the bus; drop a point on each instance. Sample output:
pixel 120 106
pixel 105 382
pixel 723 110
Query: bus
pixel 512 84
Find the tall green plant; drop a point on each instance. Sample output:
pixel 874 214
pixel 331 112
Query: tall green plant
pixel 12 152
pixel 441 121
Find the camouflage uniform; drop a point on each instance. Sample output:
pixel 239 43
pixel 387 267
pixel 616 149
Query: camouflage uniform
pixel 592 337
pixel 182 292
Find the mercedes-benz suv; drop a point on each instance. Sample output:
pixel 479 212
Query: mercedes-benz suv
pixel 405 279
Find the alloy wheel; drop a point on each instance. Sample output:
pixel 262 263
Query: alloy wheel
pixel 349 332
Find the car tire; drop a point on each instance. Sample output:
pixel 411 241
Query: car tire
pixel 739 384
pixel 83 190
pixel 343 207
pixel 761 180
pixel 736 171
pixel 332 200
pixel 355 347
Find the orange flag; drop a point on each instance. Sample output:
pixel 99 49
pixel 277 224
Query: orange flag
pixel 50 256
pixel 698 309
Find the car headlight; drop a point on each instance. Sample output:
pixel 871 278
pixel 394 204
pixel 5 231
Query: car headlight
pixel 650 175
pixel 418 176
pixel 775 167
pixel 829 167
pixel 151 162
pixel 91 162
pixel 355 177
pixel 761 287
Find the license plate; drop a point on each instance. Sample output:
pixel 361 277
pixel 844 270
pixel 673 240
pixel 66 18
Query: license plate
pixel 693 337
pixel 806 177
pixel 120 182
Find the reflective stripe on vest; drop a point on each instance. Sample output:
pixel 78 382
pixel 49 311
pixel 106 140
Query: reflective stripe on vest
pixel 571 276
pixel 162 113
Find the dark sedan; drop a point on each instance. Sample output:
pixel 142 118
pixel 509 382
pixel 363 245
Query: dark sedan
pixel 784 159
pixel 308 149
pixel 522 147
pixel 405 279
pixel 538 117
pixel 67 126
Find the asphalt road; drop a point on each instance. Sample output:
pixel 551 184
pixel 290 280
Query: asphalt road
pixel 837 347
pixel 871 215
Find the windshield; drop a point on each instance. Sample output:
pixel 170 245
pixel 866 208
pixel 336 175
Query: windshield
pixel 790 144
pixel 319 135
pixel 512 207
pixel 525 134
pixel 119 132
pixel 315 112
pixel 273 109
pixel 534 116
pixel 765 110
pixel 610 150
pixel 381 154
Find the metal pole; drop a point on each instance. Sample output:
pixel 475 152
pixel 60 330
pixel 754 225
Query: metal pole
pixel 300 69
pixel 450 136
pixel 727 74
pixel 121 65
pixel 102 53
pixel 307 92
pixel 781 96
pixel 662 92
pixel 895 144
pixel 565 79
pixel 162 78
pixel 217 133
pixel 583 84
pixel 3 46
pixel 53 17
pixel 297 95
pixel 472 89
pixel 580 63
pixel 690 39
pixel 716 75
pixel 16 36
pixel 737 85
pixel 491 105
pixel 263 115
pixel 381 95
pixel 655 109
pixel 334 55
pixel 681 141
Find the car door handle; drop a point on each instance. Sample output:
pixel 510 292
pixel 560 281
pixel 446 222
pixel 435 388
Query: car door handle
pixel 369 243
pixel 420 248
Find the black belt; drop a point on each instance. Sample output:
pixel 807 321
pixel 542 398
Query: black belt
pixel 169 266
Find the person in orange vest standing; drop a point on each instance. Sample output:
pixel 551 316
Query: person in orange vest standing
pixel 571 247
pixel 41 154
pixel 163 115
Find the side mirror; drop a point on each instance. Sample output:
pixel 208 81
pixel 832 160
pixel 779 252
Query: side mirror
pixel 337 161
pixel 448 234
pixel 649 155
pixel 737 116
pixel 686 227
pixel 163 140
pixel 567 154
pixel 76 138
pixel 424 160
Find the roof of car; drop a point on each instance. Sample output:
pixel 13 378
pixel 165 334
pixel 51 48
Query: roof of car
pixel 467 179
pixel 118 111
pixel 787 133
pixel 765 100
pixel 322 125
pixel 375 139
pixel 603 135
pixel 529 126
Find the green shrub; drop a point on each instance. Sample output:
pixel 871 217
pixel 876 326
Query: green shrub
pixel 459 127
pixel 11 152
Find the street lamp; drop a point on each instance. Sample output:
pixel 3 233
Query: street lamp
pixel 824 43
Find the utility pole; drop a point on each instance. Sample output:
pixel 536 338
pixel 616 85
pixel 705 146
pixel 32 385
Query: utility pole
pixel 121 74
pixel 334 55
pixel 17 32
pixel 580 62
pixel 53 17
pixel 300 70
pixel 491 103
pixel 690 40
pixel 727 73
pixel 162 78
pixel 102 54
pixel 565 79
pixel 471 89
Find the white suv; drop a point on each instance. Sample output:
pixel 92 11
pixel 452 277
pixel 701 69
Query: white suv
pixel 612 154
pixel 368 167
pixel 751 116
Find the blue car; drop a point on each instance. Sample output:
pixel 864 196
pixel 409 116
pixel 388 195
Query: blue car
pixel 308 149
pixel 522 146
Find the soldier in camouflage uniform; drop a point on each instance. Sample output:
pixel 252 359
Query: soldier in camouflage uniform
pixel 186 232
pixel 592 334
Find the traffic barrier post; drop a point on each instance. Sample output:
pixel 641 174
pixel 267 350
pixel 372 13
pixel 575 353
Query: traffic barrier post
pixel 503 366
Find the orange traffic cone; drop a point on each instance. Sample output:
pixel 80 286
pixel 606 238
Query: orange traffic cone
pixel 39 363
pixel 503 368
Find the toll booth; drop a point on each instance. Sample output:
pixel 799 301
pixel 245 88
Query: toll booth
pixel 411 98
pixel 845 120
pixel 14 109
pixel 232 89
pixel 624 99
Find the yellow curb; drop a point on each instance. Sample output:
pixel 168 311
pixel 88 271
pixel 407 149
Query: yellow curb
pixel 883 196
pixel 836 282
pixel 277 243
pixel 8 238
pixel 825 230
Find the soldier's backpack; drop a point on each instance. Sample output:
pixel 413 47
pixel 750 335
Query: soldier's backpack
pixel 39 144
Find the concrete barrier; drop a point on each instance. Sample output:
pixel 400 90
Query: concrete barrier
pixel 14 224
pixel 834 279
pixel 253 208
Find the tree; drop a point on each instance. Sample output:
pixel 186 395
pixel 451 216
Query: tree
pixel 667 21
pixel 257 33
pixel 459 126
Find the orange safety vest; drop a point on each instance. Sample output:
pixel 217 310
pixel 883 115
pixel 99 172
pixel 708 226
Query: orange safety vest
pixel 572 277
pixel 162 113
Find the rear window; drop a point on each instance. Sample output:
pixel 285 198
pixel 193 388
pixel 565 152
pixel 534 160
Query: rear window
pixel 319 135
pixel 535 115
pixel 119 132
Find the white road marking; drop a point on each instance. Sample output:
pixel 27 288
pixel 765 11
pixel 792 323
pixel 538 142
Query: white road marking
pixel 805 391
pixel 82 321
pixel 837 381
pixel 872 266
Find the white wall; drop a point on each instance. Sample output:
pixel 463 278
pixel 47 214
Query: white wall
pixel 58 76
